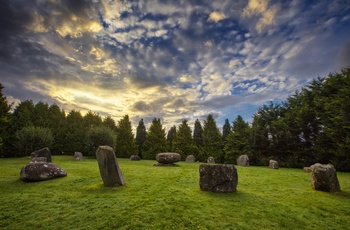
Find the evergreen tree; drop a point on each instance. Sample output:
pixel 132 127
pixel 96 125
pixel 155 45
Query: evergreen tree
pixel 75 133
pixel 4 119
pixel 140 136
pixel 40 115
pixel 92 120
pixel 238 141
pixel 212 141
pixel 125 144
pixel 155 140
pixel 97 136
pixel 226 129
pixel 109 123
pixel 197 133
pixel 57 124
pixel 170 137
pixel 183 142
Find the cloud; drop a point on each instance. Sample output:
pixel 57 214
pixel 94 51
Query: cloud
pixel 216 16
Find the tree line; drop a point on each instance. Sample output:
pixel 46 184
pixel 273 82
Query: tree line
pixel 312 125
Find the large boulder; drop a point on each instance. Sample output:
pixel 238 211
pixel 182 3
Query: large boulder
pixel 190 159
pixel 211 160
pixel 40 171
pixel 221 178
pixel 273 164
pixel 44 152
pixel 167 159
pixel 109 167
pixel 243 160
pixel 135 158
pixel 324 178
pixel 78 156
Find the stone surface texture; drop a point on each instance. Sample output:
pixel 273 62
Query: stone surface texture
pixel 135 158
pixel 221 178
pixel 211 160
pixel 307 169
pixel 168 158
pixel 243 160
pixel 324 178
pixel 38 159
pixel 190 159
pixel 109 168
pixel 44 152
pixel 273 164
pixel 78 156
pixel 40 171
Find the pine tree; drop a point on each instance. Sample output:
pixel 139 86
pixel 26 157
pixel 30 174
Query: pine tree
pixel 155 140
pixel 183 142
pixel 197 133
pixel 57 123
pixel 4 118
pixel 109 123
pixel 140 136
pixel 125 143
pixel 212 141
pixel 238 141
pixel 170 137
pixel 226 129
pixel 40 115
pixel 75 133
pixel 92 120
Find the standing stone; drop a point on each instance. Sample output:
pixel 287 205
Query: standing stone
pixel 211 160
pixel 243 160
pixel 218 177
pixel 38 159
pixel 190 159
pixel 307 169
pixel 45 152
pixel 109 168
pixel 324 178
pixel 273 164
pixel 78 156
pixel 40 171
pixel 167 159
pixel 135 158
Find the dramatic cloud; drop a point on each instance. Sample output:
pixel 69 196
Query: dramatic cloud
pixel 169 59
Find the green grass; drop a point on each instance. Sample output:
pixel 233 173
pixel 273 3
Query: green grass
pixel 167 198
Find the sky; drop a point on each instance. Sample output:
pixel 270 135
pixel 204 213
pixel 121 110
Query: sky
pixel 172 60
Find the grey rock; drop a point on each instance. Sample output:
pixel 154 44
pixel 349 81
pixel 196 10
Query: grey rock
pixel 307 169
pixel 243 160
pixel 273 164
pixel 220 178
pixel 109 167
pixel 44 152
pixel 190 159
pixel 40 171
pixel 211 160
pixel 38 159
pixel 324 178
pixel 135 158
pixel 78 156
pixel 168 158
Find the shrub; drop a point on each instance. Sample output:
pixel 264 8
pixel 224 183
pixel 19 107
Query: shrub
pixel 97 136
pixel 29 139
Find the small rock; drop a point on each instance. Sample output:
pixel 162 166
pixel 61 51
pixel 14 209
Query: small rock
pixel 190 159
pixel 307 169
pixel 135 158
pixel 221 178
pixel 78 156
pixel 243 160
pixel 211 160
pixel 273 164
pixel 324 178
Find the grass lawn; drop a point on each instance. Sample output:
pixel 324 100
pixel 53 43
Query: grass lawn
pixel 167 198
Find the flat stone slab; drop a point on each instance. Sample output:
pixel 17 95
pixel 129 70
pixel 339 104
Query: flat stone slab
pixel 40 171
pixel 109 167
pixel 221 178
pixel 168 158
